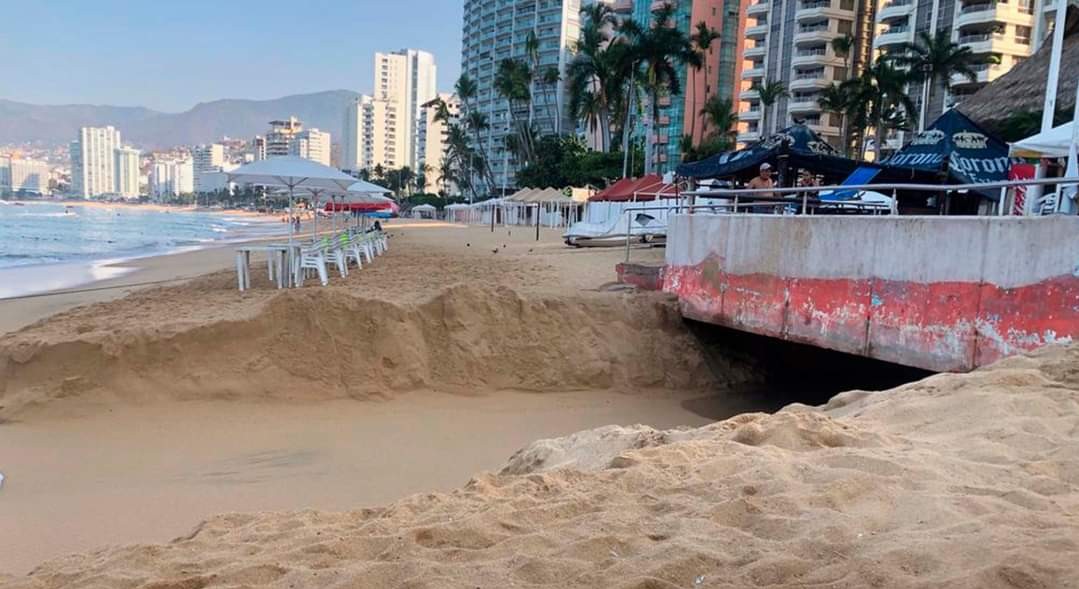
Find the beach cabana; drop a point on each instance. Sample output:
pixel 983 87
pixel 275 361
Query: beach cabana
pixel 424 211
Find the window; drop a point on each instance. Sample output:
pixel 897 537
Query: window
pixel 1022 35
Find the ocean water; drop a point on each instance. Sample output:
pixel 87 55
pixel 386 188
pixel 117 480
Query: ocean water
pixel 48 233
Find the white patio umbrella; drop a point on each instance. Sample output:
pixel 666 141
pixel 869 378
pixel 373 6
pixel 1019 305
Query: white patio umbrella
pixel 292 172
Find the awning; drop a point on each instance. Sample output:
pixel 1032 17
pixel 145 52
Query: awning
pixel 1052 143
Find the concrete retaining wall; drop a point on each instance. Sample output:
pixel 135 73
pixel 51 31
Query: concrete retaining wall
pixel 942 293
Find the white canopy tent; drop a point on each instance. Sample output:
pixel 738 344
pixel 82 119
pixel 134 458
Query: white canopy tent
pixel 1052 143
pixel 293 173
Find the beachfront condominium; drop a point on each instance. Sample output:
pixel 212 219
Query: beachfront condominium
pixel 127 171
pixel 495 30
pixel 278 141
pixel 312 144
pixel 382 129
pixel 790 42
pixel 206 162
pixel 1004 32
pixel 434 144
pixel 171 178
pixel 93 161
pixel 22 176
pixel 719 74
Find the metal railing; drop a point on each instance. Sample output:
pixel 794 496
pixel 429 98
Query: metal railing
pixel 745 200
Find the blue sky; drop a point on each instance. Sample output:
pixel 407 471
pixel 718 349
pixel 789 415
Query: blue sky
pixel 171 54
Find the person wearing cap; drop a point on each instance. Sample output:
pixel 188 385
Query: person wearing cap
pixel 763 180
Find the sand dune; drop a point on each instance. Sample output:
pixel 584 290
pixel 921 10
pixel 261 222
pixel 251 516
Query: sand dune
pixel 956 481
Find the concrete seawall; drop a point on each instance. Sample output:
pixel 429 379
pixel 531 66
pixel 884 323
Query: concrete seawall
pixel 941 293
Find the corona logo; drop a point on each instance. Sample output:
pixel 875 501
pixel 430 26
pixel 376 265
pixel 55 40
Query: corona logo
pixel 931 137
pixel 970 140
pixel 821 147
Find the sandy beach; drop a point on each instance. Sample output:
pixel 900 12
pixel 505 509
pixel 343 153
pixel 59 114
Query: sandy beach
pixel 480 409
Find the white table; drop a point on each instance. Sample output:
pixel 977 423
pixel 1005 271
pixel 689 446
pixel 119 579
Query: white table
pixel 279 263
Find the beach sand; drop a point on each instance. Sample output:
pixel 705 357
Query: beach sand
pixel 307 409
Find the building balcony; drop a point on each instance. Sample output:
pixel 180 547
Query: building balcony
pixel 757 51
pixel 749 94
pixel 813 35
pixel 755 73
pixel 757 31
pixel 984 72
pixel 895 35
pixel 895 9
pixel 824 130
pixel 748 137
pixel 810 82
pixel 991 12
pixel 816 56
pixel 818 10
pixel 803 105
pixel 759 7
pixel 993 43
pixel 750 115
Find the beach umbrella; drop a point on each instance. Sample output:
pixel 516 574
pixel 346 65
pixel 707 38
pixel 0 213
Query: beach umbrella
pixel 293 173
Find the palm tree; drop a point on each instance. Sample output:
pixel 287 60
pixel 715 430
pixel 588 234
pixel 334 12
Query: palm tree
pixel 878 93
pixel 466 89
pixel 592 74
pixel 550 79
pixel 702 40
pixel 843 46
pixel 512 81
pixel 532 51
pixel 659 51
pixel 934 60
pixel 718 113
pixel 769 93
pixel 837 99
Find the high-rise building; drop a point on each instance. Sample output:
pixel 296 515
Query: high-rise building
pixel 494 31
pixel 790 42
pixel 93 164
pixel 126 162
pixel 312 144
pixel 433 137
pixel 282 133
pixel 1008 32
pixel 258 148
pixel 719 74
pixel 19 175
pixel 406 79
pixel 207 160
pixel 169 178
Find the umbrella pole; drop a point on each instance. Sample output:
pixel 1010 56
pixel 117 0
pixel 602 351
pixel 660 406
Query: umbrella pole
pixel 314 198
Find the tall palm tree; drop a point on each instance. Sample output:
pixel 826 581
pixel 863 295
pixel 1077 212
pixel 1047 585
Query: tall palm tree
pixel 769 94
pixel 933 60
pixel 844 46
pixel 512 81
pixel 592 74
pixel 659 50
pixel 702 40
pixel 532 51
pixel 550 79
pixel 466 89
pixel 878 93
pixel 837 99
pixel 719 115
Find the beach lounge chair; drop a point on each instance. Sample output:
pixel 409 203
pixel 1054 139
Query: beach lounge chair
pixel 312 257
pixel 335 254
pixel 861 176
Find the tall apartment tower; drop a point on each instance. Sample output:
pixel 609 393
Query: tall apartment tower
pixel 719 75
pixel 495 30
pixel 127 171
pixel 790 41
pixel 1005 30
pixel 406 79
pixel 93 163
pixel 433 137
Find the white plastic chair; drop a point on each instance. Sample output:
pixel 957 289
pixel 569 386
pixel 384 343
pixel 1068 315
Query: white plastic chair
pixel 312 258
pixel 336 255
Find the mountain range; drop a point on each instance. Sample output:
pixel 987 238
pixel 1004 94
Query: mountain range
pixel 48 125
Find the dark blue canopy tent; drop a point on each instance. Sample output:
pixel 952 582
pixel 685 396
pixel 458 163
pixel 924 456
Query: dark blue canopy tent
pixel 804 149
pixel 957 146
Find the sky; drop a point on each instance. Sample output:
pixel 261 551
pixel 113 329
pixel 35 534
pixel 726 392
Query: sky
pixel 172 54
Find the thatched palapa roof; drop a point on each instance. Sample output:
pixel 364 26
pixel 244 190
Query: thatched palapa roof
pixel 1023 87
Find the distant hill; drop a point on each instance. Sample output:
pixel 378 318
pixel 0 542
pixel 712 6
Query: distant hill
pixel 145 128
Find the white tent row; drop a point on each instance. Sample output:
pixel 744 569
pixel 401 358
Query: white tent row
pixel 552 213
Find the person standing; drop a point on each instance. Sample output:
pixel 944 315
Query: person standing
pixel 762 180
